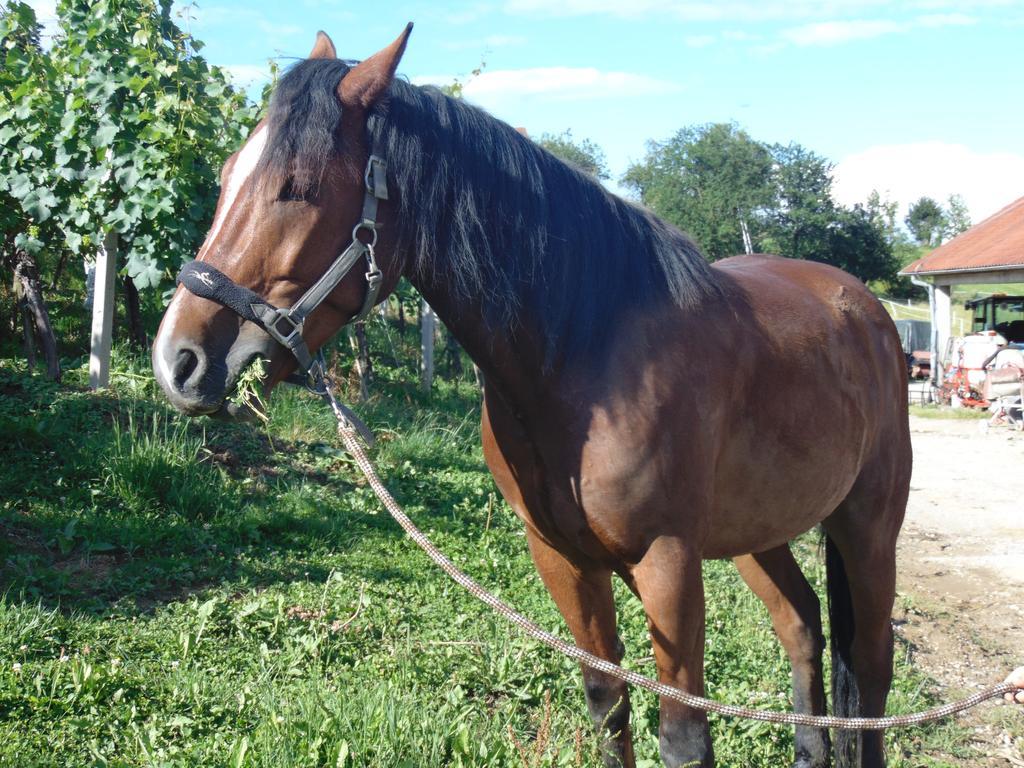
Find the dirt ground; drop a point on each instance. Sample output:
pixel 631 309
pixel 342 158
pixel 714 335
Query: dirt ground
pixel 961 571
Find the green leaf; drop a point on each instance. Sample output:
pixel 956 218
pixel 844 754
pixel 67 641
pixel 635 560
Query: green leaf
pixel 20 186
pixel 73 240
pixel 144 274
pixel 127 177
pixel 238 752
pixel 27 243
pixel 137 84
pixel 104 135
pixel 38 203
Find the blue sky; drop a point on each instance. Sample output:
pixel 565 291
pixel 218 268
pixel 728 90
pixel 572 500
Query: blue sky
pixel 911 97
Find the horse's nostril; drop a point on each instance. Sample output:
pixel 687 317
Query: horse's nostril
pixel 185 364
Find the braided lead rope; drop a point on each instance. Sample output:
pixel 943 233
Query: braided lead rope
pixel 350 437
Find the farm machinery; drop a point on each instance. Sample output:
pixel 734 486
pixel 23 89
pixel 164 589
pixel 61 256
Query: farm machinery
pixel 985 369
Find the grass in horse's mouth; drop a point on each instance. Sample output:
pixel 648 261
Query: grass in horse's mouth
pixel 245 395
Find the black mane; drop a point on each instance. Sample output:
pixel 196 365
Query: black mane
pixel 492 217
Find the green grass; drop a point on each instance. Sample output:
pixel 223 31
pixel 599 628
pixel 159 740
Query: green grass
pixel 935 411
pixel 184 593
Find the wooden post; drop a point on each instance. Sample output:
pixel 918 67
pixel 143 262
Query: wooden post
pixel 364 365
pixel 427 323
pixel 133 315
pixel 453 355
pixel 103 313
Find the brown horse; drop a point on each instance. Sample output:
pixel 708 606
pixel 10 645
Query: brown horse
pixel 643 411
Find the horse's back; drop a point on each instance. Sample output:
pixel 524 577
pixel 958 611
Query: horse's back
pixel 822 320
pixel 804 290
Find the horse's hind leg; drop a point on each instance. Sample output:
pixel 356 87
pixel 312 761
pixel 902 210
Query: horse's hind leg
pixel 775 577
pixel 860 557
pixel 584 598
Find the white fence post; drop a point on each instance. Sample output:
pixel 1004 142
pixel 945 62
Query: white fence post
pixel 103 313
pixel 943 320
pixel 428 321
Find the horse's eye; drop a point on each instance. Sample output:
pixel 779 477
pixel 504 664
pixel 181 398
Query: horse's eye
pixel 288 193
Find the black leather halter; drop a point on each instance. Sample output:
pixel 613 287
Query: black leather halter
pixel 285 324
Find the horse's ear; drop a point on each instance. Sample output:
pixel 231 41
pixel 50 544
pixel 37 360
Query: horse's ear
pixel 368 80
pixel 323 48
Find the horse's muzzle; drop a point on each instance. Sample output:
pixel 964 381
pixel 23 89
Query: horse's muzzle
pixel 193 384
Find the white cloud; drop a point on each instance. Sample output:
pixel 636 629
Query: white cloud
pixel 194 15
pixel 739 35
pixel 466 14
pixel 491 87
pixel 497 41
pixel 743 10
pixel 488 43
pixel 905 172
pixel 728 36
pixel 281 30
pixel 700 41
pixel 832 32
pixel 230 15
pixel 245 75
pixel 946 20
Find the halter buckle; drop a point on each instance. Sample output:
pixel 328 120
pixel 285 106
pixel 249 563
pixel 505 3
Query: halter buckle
pixel 294 330
pixel 316 376
pixel 376 177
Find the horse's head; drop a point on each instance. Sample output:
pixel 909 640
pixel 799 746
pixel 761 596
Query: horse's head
pixel 292 198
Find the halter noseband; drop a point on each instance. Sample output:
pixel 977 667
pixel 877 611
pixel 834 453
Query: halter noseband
pixel 285 325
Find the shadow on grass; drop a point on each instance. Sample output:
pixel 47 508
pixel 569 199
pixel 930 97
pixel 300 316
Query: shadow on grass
pixel 113 501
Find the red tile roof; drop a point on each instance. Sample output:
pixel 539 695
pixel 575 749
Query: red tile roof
pixel 996 242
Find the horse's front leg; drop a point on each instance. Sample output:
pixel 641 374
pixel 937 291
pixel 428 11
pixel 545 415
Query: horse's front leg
pixel 584 598
pixel 669 582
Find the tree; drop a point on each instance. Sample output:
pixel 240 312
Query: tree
pixel 121 126
pixel 29 111
pixel 857 245
pixel 926 222
pixel 883 214
pixel 585 154
pixel 805 222
pixel 712 181
pixel 958 216
pixel 146 126
pixel 715 181
pixel 802 212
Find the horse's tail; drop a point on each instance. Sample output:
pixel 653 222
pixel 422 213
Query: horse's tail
pixel 845 694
